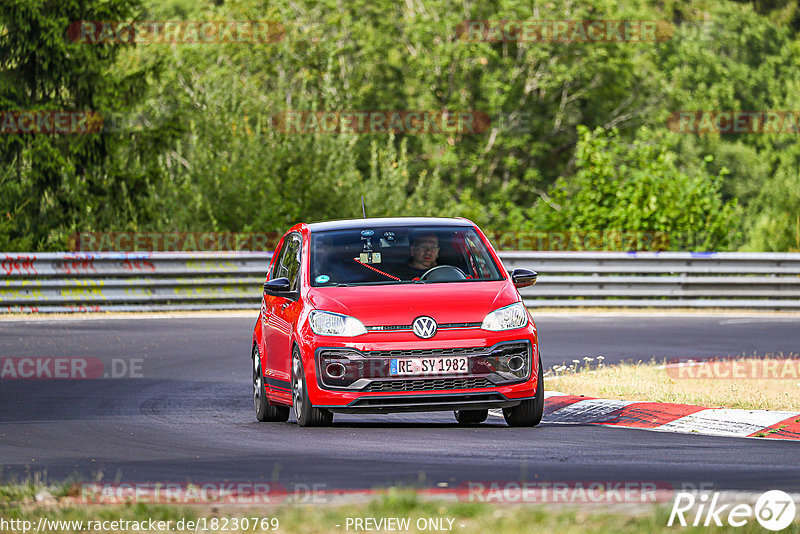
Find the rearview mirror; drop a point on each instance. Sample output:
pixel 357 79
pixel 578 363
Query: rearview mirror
pixel 276 287
pixel 523 277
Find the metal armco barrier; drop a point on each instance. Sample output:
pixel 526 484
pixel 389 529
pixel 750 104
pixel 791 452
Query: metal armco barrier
pixel 132 281
pixel 159 281
pixel 661 279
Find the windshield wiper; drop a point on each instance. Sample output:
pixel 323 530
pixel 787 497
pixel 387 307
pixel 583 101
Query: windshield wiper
pixel 381 283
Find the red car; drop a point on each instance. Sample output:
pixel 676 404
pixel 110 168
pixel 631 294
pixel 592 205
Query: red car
pixel 394 315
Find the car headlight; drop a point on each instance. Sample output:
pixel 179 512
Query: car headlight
pixel 505 318
pixel 335 324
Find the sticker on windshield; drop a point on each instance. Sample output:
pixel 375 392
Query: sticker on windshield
pixel 370 257
pixel 322 279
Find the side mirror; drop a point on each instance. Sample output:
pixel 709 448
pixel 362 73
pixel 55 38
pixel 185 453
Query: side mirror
pixel 277 287
pixel 523 277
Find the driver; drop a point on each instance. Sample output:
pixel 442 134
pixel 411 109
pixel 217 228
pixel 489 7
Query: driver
pixel 424 253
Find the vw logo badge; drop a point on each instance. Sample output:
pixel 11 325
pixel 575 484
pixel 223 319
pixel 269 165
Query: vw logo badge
pixel 424 327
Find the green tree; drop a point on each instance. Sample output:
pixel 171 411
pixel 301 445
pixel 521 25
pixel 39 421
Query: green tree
pixel 636 186
pixel 774 221
pixel 55 184
pixel 206 155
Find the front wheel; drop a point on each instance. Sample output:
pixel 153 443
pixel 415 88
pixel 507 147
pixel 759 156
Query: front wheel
pixel 305 413
pixel 528 412
pixel 265 411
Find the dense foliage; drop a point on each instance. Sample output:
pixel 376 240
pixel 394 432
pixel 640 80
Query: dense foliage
pixel 578 140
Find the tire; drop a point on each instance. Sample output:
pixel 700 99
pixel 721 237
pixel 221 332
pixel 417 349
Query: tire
pixel 471 417
pixel 265 410
pixel 305 413
pixel 528 412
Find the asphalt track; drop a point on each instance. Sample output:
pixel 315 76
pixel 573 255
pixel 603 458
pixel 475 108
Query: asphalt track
pixel 189 418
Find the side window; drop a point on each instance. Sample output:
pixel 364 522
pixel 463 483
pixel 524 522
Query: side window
pixel 276 267
pixel 293 264
pixel 288 263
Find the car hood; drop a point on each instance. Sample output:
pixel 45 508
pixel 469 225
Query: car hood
pixel 465 302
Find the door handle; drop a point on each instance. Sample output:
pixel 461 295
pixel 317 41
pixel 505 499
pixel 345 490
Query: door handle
pixel 286 305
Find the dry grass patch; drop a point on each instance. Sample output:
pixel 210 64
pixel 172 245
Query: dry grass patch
pixel 653 381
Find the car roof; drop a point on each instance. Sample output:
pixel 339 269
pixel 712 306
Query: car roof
pixel 347 224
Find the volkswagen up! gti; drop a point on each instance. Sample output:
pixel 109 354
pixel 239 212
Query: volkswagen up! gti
pixel 394 315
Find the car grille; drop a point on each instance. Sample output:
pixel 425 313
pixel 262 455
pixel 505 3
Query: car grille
pixel 506 348
pixel 429 384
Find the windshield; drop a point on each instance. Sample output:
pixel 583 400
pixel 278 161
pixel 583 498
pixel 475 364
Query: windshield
pixel 400 254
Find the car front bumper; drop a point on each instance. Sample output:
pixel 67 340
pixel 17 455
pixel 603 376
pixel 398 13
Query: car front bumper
pixel 468 400
pixel 368 387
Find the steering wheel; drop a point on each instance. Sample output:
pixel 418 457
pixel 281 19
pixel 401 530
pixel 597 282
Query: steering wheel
pixel 443 273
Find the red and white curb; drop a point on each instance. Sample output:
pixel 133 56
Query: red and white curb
pixel 668 417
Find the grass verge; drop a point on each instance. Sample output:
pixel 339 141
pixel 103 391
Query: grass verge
pixel 19 503
pixel 654 381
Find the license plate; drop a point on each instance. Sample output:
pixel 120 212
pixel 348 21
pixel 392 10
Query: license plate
pixel 428 366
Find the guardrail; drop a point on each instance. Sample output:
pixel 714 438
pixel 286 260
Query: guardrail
pixel 131 281
pixel 158 281
pixel 661 279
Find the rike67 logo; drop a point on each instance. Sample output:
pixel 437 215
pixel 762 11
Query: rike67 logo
pixel 774 510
